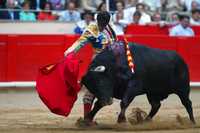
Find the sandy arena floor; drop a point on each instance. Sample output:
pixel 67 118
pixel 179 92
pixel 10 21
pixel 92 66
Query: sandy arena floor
pixel 23 112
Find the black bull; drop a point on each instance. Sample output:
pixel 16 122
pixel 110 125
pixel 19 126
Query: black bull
pixel 158 73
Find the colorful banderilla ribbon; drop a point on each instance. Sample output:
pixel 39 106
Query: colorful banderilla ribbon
pixel 129 56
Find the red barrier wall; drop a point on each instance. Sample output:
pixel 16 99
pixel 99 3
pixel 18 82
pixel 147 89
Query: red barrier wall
pixel 3 57
pixel 187 47
pixel 22 55
pixel 133 29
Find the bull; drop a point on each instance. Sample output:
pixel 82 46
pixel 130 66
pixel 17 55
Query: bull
pixel 158 73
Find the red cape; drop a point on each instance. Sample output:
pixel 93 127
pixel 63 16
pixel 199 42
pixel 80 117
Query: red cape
pixel 57 85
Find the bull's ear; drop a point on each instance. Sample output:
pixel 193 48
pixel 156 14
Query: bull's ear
pixel 100 69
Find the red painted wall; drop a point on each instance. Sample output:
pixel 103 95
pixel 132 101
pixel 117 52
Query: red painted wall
pixel 134 29
pixel 3 57
pixel 22 55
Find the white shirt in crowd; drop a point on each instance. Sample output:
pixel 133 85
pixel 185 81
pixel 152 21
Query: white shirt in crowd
pixel 128 16
pixel 193 22
pixel 188 3
pixel 82 24
pixel 90 4
pixel 119 29
pixel 145 18
pixel 122 23
pixel 179 30
pixel 153 4
pixel 173 3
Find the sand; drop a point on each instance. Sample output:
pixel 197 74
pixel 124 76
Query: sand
pixel 22 111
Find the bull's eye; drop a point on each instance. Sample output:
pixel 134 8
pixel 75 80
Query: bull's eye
pixel 100 69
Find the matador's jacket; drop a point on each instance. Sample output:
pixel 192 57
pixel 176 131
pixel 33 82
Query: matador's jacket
pixel 98 40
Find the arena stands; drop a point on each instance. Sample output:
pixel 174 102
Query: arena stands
pixel 152 12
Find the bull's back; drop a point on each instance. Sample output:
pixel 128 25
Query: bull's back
pixel 155 59
pixel 156 68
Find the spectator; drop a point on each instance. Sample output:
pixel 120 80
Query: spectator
pixel 163 7
pixel 90 4
pixel 112 7
pixel 118 16
pixel 156 17
pixel 118 19
pixel 183 28
pixel 10 14
pixel 70 14
pixel 120 9
pixel 153 5
pixel 129 10
pixel 157 20
pixel 130 3
pixel 172 5
pixel 36 4
pixel 195 18
pixel 81 25
pixel 2 4
pixel 173 18
pixel 188 4
pixel 57 4
pixel 101 7
pixel 25 14
pixel 77 2
pixel 46 14
pixel 195 5
pixel 145 18
pixel 136 17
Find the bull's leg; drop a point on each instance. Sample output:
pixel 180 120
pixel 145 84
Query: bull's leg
pixel 188 105
pixel 129 95
pixel 90 116
pixel 88 99
pixel 155 105
pixel 123 105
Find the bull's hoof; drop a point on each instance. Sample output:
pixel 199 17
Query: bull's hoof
pixel 147 119
pixel 193 122
pixel 85 123
pixel 121 119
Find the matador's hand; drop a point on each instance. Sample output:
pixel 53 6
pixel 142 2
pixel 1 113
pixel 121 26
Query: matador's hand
pixel 67 52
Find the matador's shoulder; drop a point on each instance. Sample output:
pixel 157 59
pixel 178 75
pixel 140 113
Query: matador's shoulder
pixel 93 29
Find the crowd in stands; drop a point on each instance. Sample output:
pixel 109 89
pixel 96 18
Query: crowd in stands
pixel 181 13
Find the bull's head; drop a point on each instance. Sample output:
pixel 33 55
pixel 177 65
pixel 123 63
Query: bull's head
pixel 98 81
